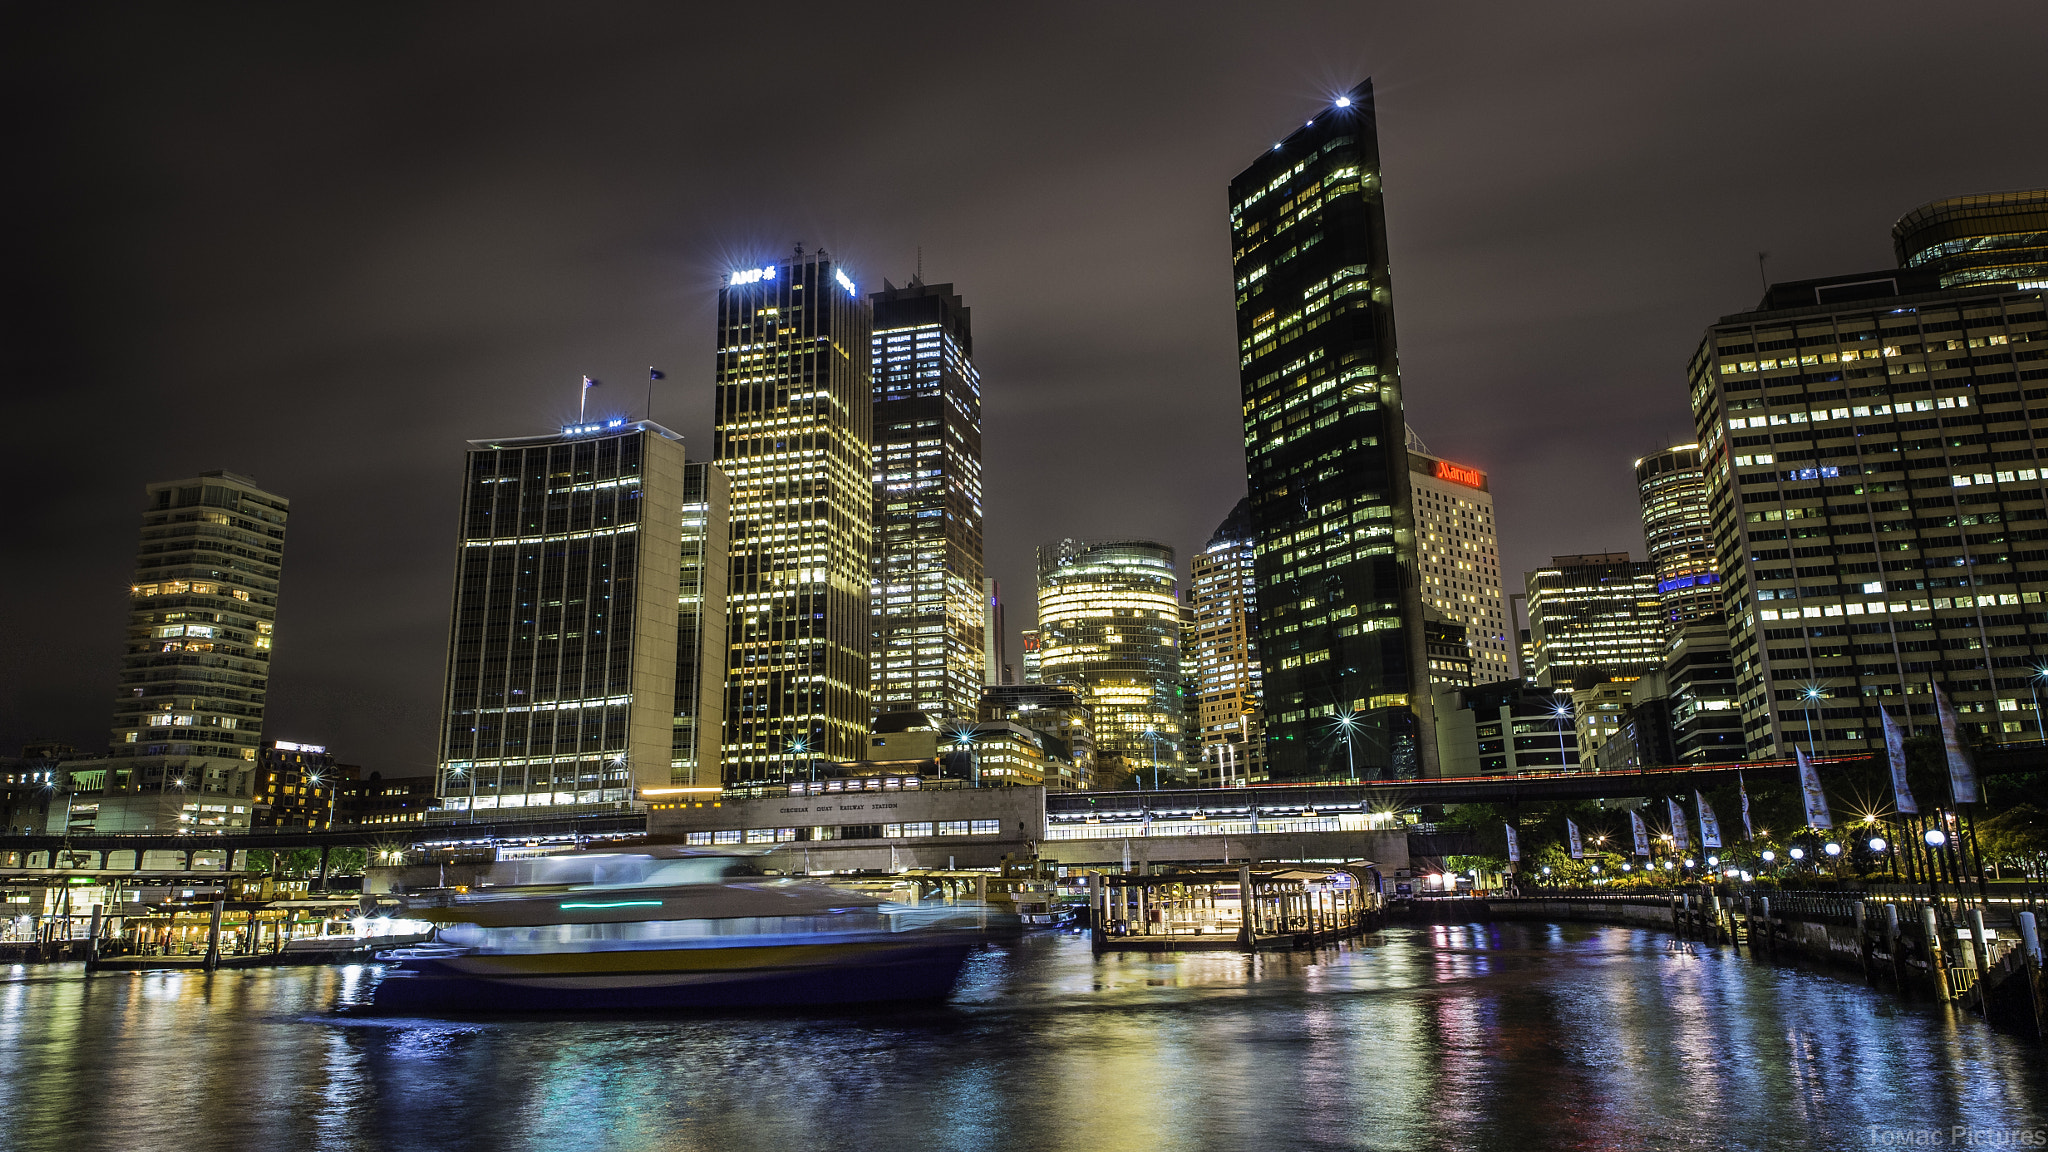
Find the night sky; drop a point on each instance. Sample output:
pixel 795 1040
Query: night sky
pixel 324 245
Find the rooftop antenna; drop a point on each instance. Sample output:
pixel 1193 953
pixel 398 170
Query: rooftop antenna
pixel 920 266
pixel 1760 258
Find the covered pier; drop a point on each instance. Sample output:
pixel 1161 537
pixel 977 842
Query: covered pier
pixel 1209 909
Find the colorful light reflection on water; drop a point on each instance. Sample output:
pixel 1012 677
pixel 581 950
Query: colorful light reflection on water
pixel 1445 1036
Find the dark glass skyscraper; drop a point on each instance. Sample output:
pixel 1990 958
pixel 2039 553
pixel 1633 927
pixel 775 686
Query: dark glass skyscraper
pixel 795 419
pixel 561 647
pixel 1340 630
pixel 928 610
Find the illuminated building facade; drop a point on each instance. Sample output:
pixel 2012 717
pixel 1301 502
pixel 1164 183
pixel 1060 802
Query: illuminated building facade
pixel 1673 493
pixel 1028 638
pixel 195 670
pixel 1875 487
pixel 1459 555
pixel 1227 708
pixel 1340 630
pixel 700 627
pixel 298 786
pixel 795 418
pixel 1595 618
pixel 201 614
pixel 562 647
pixel 929 602
pixel 1058 713
pixel 1109 626
pixel 1450 651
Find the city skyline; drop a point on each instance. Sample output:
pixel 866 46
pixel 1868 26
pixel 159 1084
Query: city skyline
pixel 406 395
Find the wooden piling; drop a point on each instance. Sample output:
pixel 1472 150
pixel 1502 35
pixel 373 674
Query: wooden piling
pixel 1936 965
pixel 1865 952
pixel 213 935
pixel 1895 942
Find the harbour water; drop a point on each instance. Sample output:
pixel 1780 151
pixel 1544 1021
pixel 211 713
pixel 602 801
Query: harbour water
pixel 1510 1036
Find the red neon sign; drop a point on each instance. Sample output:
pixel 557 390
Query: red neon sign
pixel 1459 474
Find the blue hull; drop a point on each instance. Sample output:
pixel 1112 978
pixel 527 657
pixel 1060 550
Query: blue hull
pixel 925 972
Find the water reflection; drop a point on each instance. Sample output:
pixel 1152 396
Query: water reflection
pixel 1444 1036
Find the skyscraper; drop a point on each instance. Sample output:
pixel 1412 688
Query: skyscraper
pixel 1109 625
pixel 1595 618
pixel 195 672
pixel 794 418
pixel 1227 710
pixel 1459 554
pixel 1673 493
pixel 1872 472
pixel 930 635
pixel 700 626
pixel 562 644
pixel 1340 610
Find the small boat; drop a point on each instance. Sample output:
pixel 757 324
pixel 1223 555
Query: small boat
pixel 660 927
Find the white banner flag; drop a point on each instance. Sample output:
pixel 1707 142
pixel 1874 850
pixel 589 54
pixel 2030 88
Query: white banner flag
pixel 1514 845
pixel 1571 832
pixel 1680 839
pixel 1809 788
pixel 1642 831
pixel 1710 828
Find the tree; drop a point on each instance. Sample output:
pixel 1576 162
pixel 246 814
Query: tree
pixel 2016 838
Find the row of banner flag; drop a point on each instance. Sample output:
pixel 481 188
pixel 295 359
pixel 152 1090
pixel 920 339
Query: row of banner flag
pixel 1962 775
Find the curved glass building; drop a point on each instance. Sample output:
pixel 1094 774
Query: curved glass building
pixel 1984 238
pixel 1673 491
pixel 1109 625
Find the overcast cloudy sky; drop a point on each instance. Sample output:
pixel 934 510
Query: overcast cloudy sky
pixel 324 245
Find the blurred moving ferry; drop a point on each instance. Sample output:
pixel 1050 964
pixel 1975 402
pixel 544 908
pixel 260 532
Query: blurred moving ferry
pixel 657 927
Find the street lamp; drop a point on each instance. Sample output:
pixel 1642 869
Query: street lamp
pixel 1770 857
pixel 461 772
pixel 964 738
pixel 1813 692
pixel 1799 854
pixel 1347 722
pixel 2034 686
pixel 1877 843
pixel 1561 712
pixel 313 778
pixel 1936 837
pixel 1832 848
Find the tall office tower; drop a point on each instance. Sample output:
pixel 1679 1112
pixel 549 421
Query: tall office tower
pixel 1872 473
pixel 700 627
pixel 1594 618
pixel 195 672
pixel 929 607
pixel 992 656
pixel 794 417
pixel 562 648
pixel 1029 638
pixel 1988 238
pixel 1673 491
pixel 1109 625
pixel 1340 626
pixel 1228 710
pixel 1460 558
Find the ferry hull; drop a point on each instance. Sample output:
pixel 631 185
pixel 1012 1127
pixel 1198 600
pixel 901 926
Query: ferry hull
pixel 686 979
